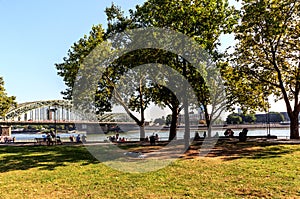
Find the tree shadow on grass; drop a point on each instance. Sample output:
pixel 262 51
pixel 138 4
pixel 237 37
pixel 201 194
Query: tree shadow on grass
pixel 231 150
pixel 14 158
pixel 43 157
pixel 226 149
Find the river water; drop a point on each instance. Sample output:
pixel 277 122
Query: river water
pixel 163 134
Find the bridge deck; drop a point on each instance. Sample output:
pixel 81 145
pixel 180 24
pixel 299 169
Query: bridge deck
pixel 9 123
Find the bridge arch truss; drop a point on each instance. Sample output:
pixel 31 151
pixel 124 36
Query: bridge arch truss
pixel 44 110
pixel 39 110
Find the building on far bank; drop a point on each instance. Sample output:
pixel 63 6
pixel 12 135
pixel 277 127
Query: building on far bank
pixel 194 117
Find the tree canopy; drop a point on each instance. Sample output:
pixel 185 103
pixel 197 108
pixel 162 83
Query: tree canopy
pixel 266 57
pixel 6 102
pixel 202 21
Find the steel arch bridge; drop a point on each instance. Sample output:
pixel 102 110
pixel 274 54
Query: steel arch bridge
pixel 63 112
pixel 23 108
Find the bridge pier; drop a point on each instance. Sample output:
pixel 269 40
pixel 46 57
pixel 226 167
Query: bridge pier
pixel 5 130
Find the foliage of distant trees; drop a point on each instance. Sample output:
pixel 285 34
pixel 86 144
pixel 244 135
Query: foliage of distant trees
pixel 273 117
pixel 238 118
pixel 160 121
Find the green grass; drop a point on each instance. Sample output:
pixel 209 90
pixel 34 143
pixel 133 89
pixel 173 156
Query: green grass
pixel 234 171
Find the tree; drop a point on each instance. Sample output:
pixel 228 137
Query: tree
pixel 6 102
pixel 237 118
pixel 84 57
pixel 168 119
pixel 249 118
pixel 234 119
pixel 133 93
pixel 70 66
pixel 159 121
pixel 203 21
pixel 266 57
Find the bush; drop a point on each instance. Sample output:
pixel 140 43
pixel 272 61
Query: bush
pixel 234 119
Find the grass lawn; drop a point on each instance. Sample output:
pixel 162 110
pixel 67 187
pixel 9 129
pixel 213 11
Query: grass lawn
pixel 232 170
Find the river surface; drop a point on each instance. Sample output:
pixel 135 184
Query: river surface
pixel 163 134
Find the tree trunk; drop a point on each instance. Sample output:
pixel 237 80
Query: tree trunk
pixel 186 108
pixel 142 133
pixel 294 125
pixel 173 127
pixel 207 119
pixel 186 124
pixel 142 124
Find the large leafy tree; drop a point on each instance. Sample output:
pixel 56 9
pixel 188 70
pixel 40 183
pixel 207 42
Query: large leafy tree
pixel 266 60
pixel 73 63
pixel 70 66
pixel 204 21
pixel 132 85
pixel 6 102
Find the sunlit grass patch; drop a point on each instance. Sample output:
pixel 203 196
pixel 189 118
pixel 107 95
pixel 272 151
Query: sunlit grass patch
pixel 257 171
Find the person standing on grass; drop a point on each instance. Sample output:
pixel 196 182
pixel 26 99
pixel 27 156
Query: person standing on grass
pixel 78 138
pixel 84 138
pixel 152 139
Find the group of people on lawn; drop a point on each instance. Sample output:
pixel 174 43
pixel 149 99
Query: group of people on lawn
pixel 7 139
pixel 79 139
pixel 227 133
pixel 242 134
pixel 51 138
pixel 116 138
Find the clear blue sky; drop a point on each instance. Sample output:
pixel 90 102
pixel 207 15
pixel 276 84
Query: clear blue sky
pixel 36 34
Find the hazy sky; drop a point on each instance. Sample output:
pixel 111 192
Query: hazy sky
pixel 36 34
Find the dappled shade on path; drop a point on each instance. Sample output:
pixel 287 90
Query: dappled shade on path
pixel 230 150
